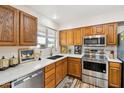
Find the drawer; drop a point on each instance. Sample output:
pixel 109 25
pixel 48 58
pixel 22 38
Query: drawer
pixel 51 84
pixel 49 73
pixel 59 62
pixel 49 79
pixel 113 64
pixel 74 59
pixel 49 67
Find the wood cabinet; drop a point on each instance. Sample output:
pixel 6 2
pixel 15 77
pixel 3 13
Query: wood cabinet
pixel 74 67
pixel 50 76
pixel 88 31
pixel 9 18
pixel 70 40
pixel 17 27
pixel 111 33
pixel 63 38
pixel 98 30
pixel 77 36
pixel 59 73
pixel 28 29
pixel 7 85
pixel 114 74
pixel 64 68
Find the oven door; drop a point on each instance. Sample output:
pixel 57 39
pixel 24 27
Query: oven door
pixel 95 69
pixel 91 41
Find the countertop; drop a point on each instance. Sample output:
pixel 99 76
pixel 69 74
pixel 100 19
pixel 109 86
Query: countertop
pixel 114 60
pixel 23 69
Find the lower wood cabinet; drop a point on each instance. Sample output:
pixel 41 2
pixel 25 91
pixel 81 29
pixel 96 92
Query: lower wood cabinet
pixel 50 76
pixel 56 72
pixel 7 85
pixel 59 73
pixel 114 74
pixel 64 67
pixel 74 67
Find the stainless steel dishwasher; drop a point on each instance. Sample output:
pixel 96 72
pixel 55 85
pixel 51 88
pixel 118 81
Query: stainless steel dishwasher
pixel 32 80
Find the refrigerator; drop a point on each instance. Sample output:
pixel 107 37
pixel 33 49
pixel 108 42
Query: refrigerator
pixel 120 53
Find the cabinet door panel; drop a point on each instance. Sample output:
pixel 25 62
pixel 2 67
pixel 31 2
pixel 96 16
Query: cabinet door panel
pixel 58 74
pixel 111 32
pixel 28 29
pixel 64 68
pixel 88 31
pixel 74 69
pixel 63 38
pixel 77 36
pixel 70 37
pixel 9 21
pixel 114 75
pixel 98 30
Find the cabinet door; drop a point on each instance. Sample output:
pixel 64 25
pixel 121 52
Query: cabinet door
pixel 63 38
pixel 88 31
pixel 98 30
pixel 74 69
pixel 28 29
pixel 111 32
pixel 70 37
pixel 64 68
pixel 58 73
pixel 115 75
pixel 9 21
pixel 77 36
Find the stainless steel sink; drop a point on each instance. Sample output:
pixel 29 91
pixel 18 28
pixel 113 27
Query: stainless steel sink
pixel 55 57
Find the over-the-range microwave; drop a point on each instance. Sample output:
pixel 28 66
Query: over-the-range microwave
pixel 95 40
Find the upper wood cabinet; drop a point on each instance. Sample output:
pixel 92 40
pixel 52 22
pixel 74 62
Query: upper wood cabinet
pixel 9 18
pixel 88 31
pixel 98 30
pixel 63 38
pixel 114 74
pixel 111 32
pixel 70 35
pixel 77 36
pixel 28 29
pixel 17 27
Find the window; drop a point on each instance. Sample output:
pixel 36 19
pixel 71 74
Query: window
pixel 51 38
pixel 46 37
pixel 41 37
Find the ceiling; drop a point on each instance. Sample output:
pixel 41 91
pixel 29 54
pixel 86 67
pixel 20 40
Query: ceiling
pixel 66 14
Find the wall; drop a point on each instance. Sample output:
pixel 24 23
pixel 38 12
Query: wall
pixel 9 51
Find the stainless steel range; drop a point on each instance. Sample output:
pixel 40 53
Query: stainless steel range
pixel 95 67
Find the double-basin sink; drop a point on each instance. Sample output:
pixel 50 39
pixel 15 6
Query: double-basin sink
pixel 55 57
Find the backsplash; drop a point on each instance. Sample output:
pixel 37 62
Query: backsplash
pixel 107 49
pixel 8 52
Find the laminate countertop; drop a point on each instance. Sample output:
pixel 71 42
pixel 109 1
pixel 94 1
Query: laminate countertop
pixel 23 69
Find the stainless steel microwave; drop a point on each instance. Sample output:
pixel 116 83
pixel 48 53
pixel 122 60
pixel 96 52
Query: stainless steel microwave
pixel 95 40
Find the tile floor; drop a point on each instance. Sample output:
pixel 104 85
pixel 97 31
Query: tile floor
pixel 70 82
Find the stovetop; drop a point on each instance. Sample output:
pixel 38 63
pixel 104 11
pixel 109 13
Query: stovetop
pixel 95 58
